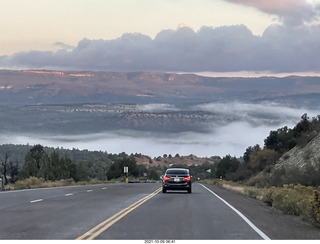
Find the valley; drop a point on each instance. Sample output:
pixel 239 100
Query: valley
pixel 148 112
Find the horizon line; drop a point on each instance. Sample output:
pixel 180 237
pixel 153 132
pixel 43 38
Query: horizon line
pixel 213 74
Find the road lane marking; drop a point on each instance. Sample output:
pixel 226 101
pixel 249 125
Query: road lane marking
pixel 38 200
pixel 68 194
pixel 89 190
pixel 255 228
pixel 103 226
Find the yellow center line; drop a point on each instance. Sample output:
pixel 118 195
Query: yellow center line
pixel 97 230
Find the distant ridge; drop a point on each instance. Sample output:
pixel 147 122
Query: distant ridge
pixel 29 87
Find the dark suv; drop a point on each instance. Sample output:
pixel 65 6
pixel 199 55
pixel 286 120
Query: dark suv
pixel 176 179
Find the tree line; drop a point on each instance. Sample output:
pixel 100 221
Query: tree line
pixel 49 165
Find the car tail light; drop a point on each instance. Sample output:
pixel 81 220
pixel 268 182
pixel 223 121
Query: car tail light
pixel 187 178
pixel 166 178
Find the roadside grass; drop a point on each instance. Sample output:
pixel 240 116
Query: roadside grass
pixel 298 200
pixel 34 182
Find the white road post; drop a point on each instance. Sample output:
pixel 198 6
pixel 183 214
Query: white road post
pixel 126 170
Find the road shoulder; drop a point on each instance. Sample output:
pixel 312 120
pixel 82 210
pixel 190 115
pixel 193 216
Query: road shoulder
pixel 272 222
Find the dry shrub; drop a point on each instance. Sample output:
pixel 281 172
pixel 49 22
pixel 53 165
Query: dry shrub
pixel 291 199
pixel 29 183
pixel 315 206
pixel 34 182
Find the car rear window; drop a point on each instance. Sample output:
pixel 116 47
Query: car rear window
pixel 177 171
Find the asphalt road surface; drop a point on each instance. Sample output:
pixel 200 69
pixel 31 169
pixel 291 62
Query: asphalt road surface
pixel 140 211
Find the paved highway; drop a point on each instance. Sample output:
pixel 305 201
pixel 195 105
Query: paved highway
pixel 141 211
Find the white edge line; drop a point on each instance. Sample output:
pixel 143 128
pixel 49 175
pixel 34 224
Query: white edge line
pixel 255 228
pixel 38 189
pixel 38 200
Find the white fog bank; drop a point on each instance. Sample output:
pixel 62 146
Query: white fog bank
pixel 230 139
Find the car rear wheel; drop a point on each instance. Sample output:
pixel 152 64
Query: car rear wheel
pixel 189 190
pixel 164 190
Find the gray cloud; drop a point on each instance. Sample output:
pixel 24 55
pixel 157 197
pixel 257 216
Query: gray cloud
pixel 229 48
pixel 290 12
pixel 63 45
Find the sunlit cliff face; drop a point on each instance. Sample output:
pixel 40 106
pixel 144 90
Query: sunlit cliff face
pixel 60 73
pixel 5 87
pixel 82 75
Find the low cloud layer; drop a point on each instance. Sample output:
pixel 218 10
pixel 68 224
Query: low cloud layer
pixel 281 48
pixel 230 139
pixel 251 128
pixel 251 112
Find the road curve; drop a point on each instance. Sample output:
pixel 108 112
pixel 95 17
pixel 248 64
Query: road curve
pixel 141 211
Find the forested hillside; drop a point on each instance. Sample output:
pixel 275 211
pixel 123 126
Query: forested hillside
pixel 268 165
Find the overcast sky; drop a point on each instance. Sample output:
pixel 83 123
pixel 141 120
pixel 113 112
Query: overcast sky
pixel 274 36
